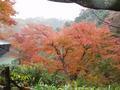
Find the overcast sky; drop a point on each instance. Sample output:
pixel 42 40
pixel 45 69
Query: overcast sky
pixel 46 9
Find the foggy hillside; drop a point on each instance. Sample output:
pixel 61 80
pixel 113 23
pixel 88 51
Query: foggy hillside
pixel 53 22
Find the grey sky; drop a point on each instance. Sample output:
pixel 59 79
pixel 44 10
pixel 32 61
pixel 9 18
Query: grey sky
pixel 46 9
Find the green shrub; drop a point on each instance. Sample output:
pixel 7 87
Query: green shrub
pixel 31 75
pixel 26 74
pixel 2 81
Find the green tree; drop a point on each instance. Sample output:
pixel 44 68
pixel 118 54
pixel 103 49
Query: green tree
pixel 90 15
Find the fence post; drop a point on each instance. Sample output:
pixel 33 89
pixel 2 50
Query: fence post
pixel 7 78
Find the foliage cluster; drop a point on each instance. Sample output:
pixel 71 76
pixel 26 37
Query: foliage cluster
pixel 29 76
pixel 6 11
pixel 91 15
pixel 81 50
pixel 38 77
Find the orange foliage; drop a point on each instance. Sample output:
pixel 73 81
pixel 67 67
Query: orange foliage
pixel 89 36
pixel 77 47
pixel 28 42
pixel 6 11
pixel 72 50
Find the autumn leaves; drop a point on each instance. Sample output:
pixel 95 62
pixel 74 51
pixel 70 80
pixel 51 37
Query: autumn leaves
pixel 72 50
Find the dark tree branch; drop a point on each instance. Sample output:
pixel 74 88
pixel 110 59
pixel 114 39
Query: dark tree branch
pixel 95 4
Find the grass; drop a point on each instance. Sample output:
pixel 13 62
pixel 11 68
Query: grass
pixel 69 87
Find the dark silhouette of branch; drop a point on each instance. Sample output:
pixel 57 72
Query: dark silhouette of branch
pixel 95 4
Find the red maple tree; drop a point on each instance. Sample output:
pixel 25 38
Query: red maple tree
pixel 72 50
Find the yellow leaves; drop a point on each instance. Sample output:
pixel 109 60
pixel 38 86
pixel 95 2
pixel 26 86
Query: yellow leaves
pixel 96 79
